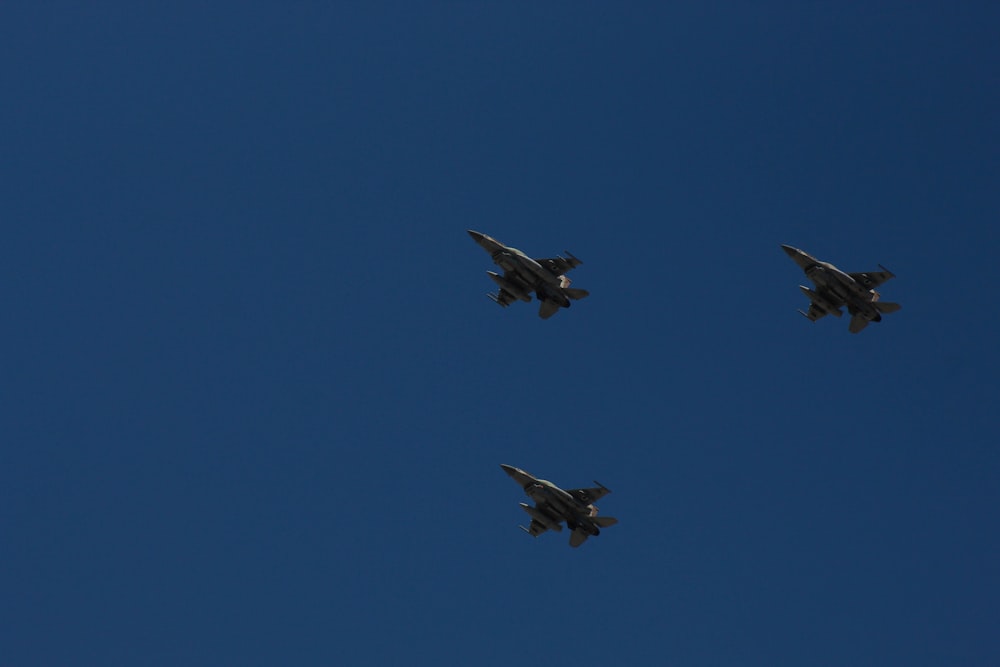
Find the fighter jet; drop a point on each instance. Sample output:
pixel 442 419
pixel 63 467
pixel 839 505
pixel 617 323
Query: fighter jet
pixel 834 289
pixel 554 505
pixel 522 275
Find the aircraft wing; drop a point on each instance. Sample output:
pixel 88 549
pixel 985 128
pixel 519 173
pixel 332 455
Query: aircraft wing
pixel 588 496
pixel 535 528
pixel 872 279
pixel 503 297
pixel 815 312
pixel 559 265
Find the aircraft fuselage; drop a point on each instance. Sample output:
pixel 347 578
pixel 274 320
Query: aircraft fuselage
pixel 830 280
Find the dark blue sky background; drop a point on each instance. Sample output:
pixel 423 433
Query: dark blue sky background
pixel 253 399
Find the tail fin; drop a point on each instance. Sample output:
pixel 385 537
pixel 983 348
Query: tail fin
pixel 887 306
pixel 605 521
pixel 575 293
pixel 495 298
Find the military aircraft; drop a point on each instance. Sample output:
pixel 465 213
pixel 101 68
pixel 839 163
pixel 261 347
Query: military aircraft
pixel 834 289
pixel 522 275
pixel 554 505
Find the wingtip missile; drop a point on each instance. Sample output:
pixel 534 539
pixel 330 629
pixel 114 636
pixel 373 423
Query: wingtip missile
pixel 495 298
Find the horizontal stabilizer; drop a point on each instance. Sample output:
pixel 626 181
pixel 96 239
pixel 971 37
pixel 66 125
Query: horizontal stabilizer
pixel 605 521
pixel 886 306
pixel 858 322
pixel 575 293
pixel 578 537
pixel 548 309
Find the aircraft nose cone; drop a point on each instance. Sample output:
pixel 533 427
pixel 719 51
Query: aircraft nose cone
pixel 486 242
pixel 790 251
pixel 518 475
pixel 800 257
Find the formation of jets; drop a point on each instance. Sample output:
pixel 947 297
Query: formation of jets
pixel 523 275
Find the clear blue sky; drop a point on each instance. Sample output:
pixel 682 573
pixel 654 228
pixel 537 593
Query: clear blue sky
pixel 253 400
